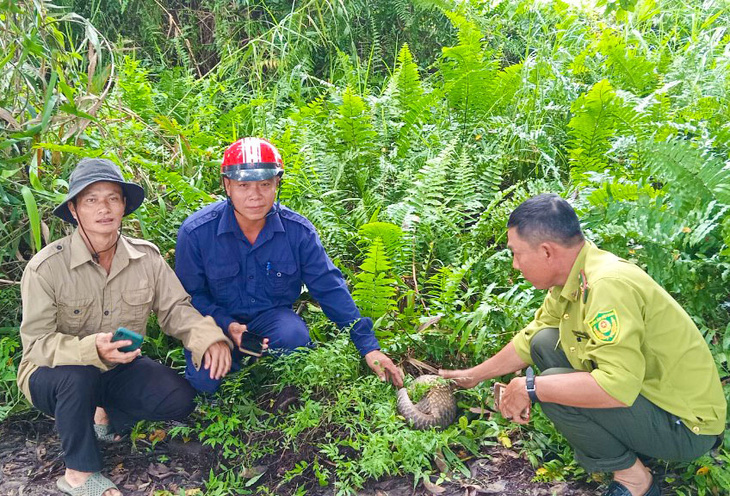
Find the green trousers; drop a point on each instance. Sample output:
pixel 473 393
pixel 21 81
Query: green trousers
pixel 609 439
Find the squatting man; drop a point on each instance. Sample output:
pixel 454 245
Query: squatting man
pixel 624 369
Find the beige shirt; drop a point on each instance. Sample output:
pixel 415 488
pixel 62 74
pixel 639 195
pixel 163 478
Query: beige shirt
pixel 68 299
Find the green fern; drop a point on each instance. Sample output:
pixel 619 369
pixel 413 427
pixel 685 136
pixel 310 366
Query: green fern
pixel 356 137
pixel 629 69
pixel 617 191
pixel 468 70
pixel 375 290
pixel 591 128
pixel 692 178
pixel 390 235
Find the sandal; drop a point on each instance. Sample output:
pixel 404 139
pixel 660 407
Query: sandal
pixel 95 485
pixel 103 434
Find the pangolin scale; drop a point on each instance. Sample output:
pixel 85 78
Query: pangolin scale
pixel 437 408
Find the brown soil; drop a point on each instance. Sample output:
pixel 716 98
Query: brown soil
pixel 31 462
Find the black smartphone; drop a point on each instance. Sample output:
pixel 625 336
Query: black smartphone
pixel 122 334
pixel 251 344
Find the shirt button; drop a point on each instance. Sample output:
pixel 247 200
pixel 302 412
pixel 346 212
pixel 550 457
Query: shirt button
pixel 566 316
pixel 572 349
pixel 278 274
pixel 59 247
pixel 253 300
pixel 77 311
pixel 250 277
pixel 106 312
pixel 696 429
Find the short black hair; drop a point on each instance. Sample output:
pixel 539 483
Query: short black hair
pixel 546 217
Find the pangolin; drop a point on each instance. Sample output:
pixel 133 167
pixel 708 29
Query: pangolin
pixel 437 408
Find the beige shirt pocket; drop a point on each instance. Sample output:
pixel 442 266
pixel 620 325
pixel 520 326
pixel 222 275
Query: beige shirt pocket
pixel 75 315
pixel 136 308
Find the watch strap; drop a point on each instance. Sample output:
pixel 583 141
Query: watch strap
pixel 530 385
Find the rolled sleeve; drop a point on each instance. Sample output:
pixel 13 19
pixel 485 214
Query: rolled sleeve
pixel 548 315
pixel 620 363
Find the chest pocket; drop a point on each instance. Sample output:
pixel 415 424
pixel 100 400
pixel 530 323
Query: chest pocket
pixel 136 308
pixel 75 315
pixel 280 277
pixel 222 280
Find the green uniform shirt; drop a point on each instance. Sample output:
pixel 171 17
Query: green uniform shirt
pixel 618 324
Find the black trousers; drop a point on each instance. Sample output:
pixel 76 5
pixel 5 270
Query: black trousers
pixel 609 439
pixel 140 390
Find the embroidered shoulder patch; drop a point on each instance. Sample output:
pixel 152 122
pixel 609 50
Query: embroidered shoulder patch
pixel 605 326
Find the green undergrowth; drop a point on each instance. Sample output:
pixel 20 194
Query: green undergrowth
pixel 409 132
pixel 342 430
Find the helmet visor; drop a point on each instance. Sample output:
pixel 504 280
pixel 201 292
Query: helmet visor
pixel 252 172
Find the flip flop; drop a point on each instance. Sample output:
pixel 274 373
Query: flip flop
pixel 95 485
pixel 103 434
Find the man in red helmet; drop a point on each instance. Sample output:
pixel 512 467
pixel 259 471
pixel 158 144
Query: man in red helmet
pixel 243 261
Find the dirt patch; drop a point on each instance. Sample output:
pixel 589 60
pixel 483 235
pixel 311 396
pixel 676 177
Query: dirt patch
pixel 31 462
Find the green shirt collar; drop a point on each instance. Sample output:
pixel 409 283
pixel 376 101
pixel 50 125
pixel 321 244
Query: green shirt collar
pixel 572 287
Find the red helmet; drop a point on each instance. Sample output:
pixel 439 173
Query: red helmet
pixel 252 159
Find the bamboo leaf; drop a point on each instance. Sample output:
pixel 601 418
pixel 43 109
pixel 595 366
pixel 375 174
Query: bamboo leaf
pixel 33 217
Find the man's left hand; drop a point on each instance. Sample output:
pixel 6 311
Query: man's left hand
pixel 515 403
pixel 384 367
pixel 217 360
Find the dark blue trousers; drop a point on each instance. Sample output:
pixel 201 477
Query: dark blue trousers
pixel 140 390
pixel 285 329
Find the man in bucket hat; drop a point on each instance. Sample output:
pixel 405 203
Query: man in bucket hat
pixel 76 292
pixel 244 260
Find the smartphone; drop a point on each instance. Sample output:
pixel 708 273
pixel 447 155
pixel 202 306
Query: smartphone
pixel 122 334
pixel 251 344
pixel 498 389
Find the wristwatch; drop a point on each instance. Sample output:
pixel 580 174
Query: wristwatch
pixel 530 385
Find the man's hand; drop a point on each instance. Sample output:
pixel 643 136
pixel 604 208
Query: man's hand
pixel 236 330
pixel 108 350
pixel 384 367
pixel 217 359
pixel 515 403
pixel 463 378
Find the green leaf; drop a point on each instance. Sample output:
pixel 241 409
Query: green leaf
pixel 33 217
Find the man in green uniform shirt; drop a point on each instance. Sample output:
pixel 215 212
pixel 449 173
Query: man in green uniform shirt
pixel 624 370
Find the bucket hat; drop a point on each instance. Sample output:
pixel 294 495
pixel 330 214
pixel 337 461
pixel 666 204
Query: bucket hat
pixel 92 170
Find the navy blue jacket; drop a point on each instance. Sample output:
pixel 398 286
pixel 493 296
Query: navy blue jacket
pixel 231 280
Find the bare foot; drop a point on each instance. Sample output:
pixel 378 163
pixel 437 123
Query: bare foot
pixel 76 479
pixel 101 418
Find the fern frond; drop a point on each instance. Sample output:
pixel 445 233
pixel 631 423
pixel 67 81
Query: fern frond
pixel 468 69
pixel 691 176
pixel 374 290
pixel 591 128
pixel 630 69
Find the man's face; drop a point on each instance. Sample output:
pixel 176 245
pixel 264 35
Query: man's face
pixel 532 261
pixel 252 199
pixel 99 208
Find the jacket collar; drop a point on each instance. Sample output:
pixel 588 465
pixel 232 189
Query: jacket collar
pixel 228 224
pixel 80 254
